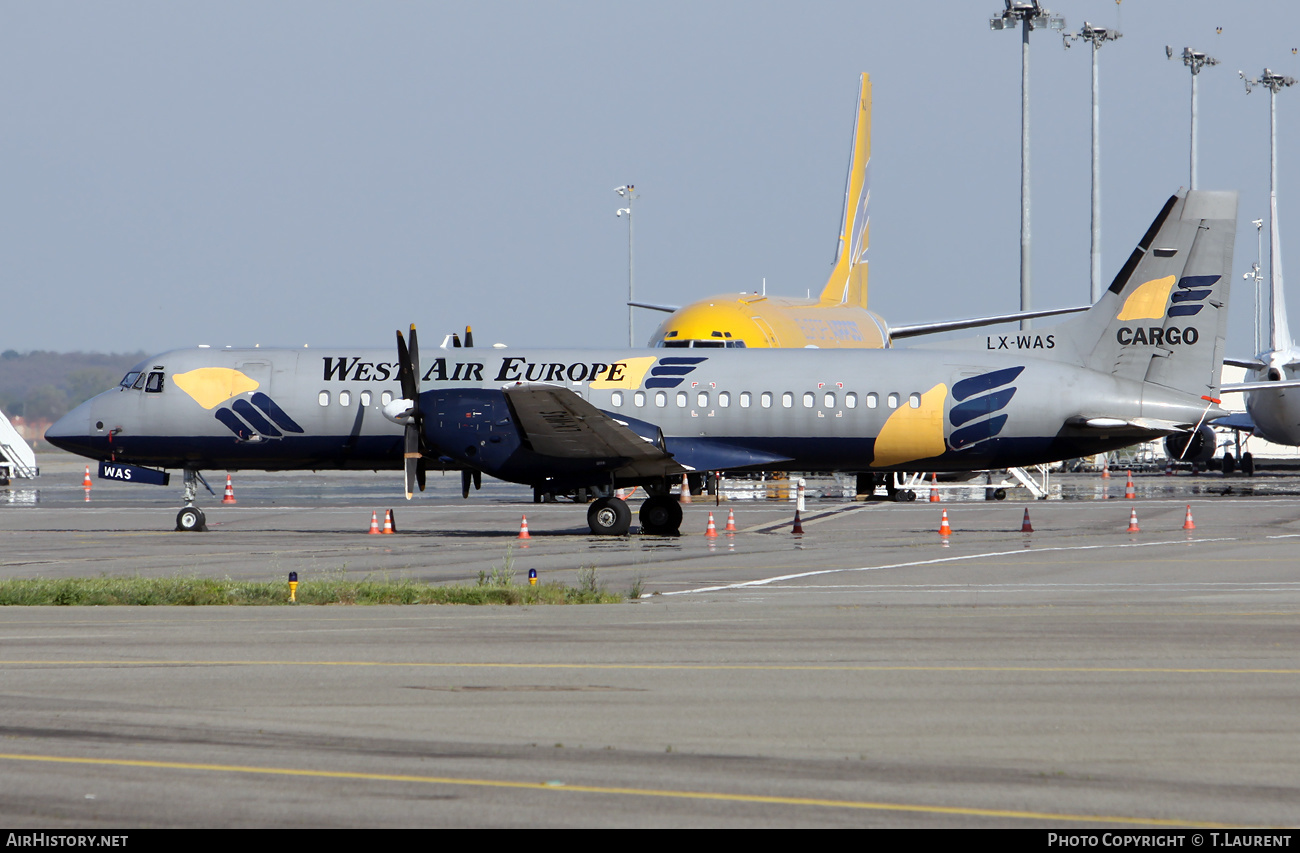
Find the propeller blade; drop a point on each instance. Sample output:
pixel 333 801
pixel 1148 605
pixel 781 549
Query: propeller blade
pixel 412 459
pixel 465 478
pixel 408 374
pixel 478 480
pixel 469 336
pixel 455 340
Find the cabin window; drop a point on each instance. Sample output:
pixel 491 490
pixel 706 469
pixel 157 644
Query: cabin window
pixel 892 400
pixel 385 398
pixel 323 398
pixel 745 399
pixel 872 400
pixel 850 400
pixel 809 399
pixel 155 383
pixel 345 398
pixel 914 400
pixel 639 399
pixel 661 399
pixel 616 399
pixel 724 399
pixel 365 398
pixel 829 401
pixel 681 399
pixel 766 400
pixel 787 400
pixel 702 399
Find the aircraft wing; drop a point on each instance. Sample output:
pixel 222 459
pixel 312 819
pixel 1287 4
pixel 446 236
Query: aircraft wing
pixel 1133 426
pixel 896 332
pixel 554 421
pixel 1236 420
pixel 667 309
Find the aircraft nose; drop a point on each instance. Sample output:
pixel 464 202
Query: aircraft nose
pixel 74 432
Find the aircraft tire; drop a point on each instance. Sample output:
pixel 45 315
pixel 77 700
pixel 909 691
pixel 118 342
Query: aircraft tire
pixel 661 516
pixel 1229 463
pixel 1000 495
pixel 191 520
pixel 609 517
pixel 1248 464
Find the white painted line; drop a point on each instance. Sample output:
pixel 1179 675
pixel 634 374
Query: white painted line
pixel 953 559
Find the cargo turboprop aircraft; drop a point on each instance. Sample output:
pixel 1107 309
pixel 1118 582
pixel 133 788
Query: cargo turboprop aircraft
pixel 1142 363
pixel 839 318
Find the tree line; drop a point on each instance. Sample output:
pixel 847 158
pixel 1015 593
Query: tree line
pixel 44 386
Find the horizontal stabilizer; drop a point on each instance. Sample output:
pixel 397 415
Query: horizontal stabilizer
pixel 1248 363
pixel 917 329
pixel 667 309
pixel 1240 387
pixel 1236 420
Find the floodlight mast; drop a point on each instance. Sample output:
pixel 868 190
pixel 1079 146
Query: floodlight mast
pixel 625 191
pixel 1030 15
pixel 1194 60
pixel 1279 334
pixel 1096 36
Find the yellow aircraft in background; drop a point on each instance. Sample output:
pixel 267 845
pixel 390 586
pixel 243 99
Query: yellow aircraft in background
pixel 839 317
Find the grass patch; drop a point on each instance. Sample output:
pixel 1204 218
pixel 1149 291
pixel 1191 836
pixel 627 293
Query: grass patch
pixel 194 591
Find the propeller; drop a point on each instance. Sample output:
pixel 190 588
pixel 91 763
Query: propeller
pixel 469 336
pixel 408 374
pixel 467 477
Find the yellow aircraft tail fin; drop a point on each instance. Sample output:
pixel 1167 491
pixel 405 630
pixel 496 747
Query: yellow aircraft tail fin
pixel 848 280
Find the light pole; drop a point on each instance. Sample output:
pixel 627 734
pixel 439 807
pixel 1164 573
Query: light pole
pixel 1254 276
pixel 1097 36
pixel 1194 60
pixel 1279 334
pixel 625 191
pixel 1029 15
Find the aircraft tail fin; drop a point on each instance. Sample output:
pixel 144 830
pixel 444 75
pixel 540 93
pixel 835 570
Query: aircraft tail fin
pixel 848 280
pixel 1164 318
pixel 1279 333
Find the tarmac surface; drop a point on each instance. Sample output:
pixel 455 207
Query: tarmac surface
pixel 867 673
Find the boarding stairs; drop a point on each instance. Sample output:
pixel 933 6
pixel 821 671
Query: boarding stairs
pixel 17 460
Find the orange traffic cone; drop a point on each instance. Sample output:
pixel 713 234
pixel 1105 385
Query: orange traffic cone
pixel 686 490
pixel 731 521
pixel 1105 472
pixel 388 521
pixel 1189 524
pixel 523 528
pixel 1128 487
pixel 934 488
pixel 944 529
pixel 1025 526
pixel 374 523
pixel 230 492
pixel 711 531
pixel 1133 523
pixel 797 530
pixel 85 484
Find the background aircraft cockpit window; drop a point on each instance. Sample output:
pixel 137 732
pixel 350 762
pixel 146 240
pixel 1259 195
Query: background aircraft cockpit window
pixel 715 344
pixel 681 344
pixel 154 384
pixel 129 379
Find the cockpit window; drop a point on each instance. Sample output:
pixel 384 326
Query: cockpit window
pixel 129 379
pixel 154 383
pixel 139 381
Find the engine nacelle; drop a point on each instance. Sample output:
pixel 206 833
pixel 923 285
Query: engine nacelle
pixel 1196 446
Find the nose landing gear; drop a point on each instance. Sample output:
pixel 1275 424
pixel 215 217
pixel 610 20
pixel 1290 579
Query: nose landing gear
pixel 191 519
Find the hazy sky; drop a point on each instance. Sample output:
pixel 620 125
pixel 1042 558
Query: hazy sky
pixel 176 173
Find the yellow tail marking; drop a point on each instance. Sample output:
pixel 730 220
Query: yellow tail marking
pixel 848 280
pixel 212 386
pixel 911 434
pixel 1148 301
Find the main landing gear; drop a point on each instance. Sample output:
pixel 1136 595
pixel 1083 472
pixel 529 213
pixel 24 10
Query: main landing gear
pixel 609 517
pixel 191 519
pixel 661 515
